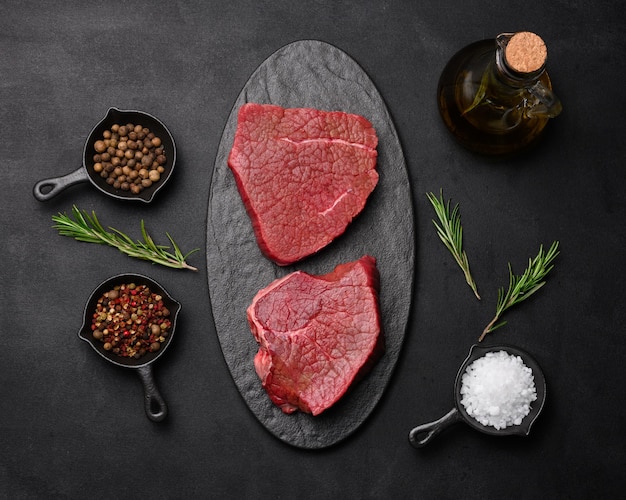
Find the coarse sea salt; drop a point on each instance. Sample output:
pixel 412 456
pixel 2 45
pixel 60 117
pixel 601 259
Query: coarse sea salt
pixel 497 389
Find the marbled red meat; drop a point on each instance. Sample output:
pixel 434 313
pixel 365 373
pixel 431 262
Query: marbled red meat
pixel 303 175
pixel 317 335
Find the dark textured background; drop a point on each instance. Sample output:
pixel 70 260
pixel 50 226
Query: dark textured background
pixel 72 426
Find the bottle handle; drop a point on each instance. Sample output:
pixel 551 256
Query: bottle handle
pixel 547 104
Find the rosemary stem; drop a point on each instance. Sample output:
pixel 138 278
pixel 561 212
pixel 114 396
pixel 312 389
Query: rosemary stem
pixel 450 232
pixel 87 228
pixel 471 283
pixel 488 328
pixel 523 286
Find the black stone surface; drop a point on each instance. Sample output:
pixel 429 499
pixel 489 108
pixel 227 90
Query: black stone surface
pixel 313 74
pixel 72 424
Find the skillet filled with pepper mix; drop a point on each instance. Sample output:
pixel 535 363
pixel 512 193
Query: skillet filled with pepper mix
pixel 130 321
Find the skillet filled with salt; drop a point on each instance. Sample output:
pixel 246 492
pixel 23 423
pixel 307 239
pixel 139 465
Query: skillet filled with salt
pixel 312 74
pixel 499 390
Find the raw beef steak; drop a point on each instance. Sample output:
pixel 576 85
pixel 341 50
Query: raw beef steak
pixel 317 335
pixel 303 175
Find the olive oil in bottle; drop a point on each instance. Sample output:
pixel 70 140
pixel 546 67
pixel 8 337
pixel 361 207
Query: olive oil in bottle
pixel 495 96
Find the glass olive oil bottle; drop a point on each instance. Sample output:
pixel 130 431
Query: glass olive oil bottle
pixel 495 96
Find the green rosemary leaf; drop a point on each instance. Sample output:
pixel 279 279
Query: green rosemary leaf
pixel 124 239
pixel 495 327
pixel 87 228
pixel 67 227
pixel 149 244
pixel 450 232
pixel 177 251
pixel 523 286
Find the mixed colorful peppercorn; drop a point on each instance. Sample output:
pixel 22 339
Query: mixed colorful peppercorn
pixel 130 320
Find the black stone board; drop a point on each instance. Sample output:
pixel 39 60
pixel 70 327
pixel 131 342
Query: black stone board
pixel 313 74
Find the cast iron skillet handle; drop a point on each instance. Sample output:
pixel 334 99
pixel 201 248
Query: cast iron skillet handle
pixel 58 184
pixel 155 406
pixel 433 428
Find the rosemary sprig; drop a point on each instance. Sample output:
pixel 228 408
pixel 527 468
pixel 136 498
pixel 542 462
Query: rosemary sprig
pixel 480 93
pixel 522 287
pixel 450 232
pixel 87 228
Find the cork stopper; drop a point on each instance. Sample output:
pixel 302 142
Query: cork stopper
pixel 525 52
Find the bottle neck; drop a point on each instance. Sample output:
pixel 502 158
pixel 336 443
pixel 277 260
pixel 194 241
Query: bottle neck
pixel 508 75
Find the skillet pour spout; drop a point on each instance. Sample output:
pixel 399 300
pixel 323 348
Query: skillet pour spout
pixel 154 404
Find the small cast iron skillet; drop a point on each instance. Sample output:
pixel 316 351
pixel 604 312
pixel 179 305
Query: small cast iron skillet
pixel 155 406
pixel 48 188
pixel 423 434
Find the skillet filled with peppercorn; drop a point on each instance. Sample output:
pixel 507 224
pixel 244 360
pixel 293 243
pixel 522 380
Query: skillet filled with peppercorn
pixel 130 321
pixel 129 155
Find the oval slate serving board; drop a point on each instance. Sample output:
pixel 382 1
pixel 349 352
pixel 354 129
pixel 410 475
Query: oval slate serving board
pixel 314 74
